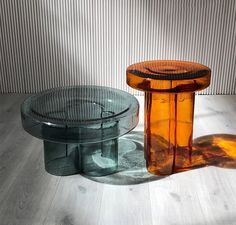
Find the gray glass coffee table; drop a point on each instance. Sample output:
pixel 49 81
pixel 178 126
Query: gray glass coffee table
pixel 80 127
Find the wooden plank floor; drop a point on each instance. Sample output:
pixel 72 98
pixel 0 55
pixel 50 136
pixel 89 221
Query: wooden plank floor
pixel 31 196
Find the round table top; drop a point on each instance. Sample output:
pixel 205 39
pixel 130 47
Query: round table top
pixel 168 76
pixel 80 114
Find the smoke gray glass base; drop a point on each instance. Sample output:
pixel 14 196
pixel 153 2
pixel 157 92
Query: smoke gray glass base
pixel 95 159
pixel 80 127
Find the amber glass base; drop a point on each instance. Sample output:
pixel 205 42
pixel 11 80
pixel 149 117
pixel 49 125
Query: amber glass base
pixel 168 131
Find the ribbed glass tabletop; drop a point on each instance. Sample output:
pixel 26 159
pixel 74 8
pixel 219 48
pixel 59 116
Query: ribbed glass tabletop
pixel 168 76
pixel 80 114
pixel 168 70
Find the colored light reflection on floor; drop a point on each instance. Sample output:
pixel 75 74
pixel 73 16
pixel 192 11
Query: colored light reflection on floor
pixel 210 150
pixel 216 150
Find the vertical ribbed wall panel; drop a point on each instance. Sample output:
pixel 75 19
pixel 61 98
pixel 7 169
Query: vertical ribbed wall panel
pixel 46 44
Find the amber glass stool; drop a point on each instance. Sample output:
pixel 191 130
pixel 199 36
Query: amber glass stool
pixel 169 110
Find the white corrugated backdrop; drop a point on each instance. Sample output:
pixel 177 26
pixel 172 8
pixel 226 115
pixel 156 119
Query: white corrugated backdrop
pixel 50 43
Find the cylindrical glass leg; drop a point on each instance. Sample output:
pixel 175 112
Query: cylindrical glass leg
pixel 99 159
pixel 61 159
pixel 168 131
pixel 95 159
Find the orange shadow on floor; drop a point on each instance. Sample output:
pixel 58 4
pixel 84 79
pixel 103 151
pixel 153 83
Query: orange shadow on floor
pixel 214 150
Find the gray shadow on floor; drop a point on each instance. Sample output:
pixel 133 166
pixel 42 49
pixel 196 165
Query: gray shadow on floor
pixel 131 163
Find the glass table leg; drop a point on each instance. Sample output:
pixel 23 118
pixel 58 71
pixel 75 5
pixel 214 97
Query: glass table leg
pixel 98 159
pixel 168 131
pixel 94 159
pixel 61 159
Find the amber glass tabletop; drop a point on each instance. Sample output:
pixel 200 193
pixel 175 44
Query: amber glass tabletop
pixel 169 87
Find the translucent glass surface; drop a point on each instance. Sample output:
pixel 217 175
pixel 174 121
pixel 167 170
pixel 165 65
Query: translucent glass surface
pixel 80 114
pixel 82 123
pixel 169 87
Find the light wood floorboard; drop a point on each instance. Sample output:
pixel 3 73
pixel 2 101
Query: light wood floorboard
pixel 31 196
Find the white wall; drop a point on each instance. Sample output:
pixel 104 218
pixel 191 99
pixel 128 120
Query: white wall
pixel 49 43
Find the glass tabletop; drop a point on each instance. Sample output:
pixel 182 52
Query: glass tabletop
pixel 168 76
pixel 80 114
